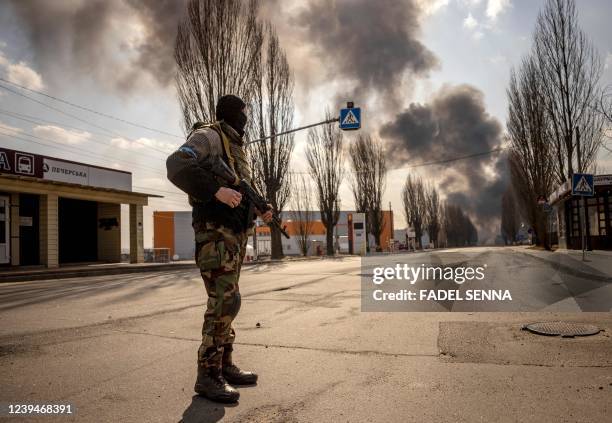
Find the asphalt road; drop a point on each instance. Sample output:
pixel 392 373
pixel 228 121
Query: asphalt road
pixel 123 348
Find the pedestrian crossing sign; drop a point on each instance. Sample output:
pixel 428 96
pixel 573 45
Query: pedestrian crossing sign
pixel 350 118
pixel 582 184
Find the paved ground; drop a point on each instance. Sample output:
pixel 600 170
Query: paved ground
pixel 123 348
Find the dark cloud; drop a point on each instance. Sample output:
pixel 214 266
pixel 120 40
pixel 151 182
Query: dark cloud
pixel 454 124
pixel 372 42
pixel 81 37
pixel 161 17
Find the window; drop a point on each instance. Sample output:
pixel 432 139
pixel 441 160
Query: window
pixel 593 222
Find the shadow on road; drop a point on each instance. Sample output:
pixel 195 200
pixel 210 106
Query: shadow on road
pixel 128 288
pixel 202 410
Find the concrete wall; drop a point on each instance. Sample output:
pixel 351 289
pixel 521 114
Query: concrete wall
pixel 184 238
pixel 109 238
pixel 163 230
pixel 49 239
pixel 136 236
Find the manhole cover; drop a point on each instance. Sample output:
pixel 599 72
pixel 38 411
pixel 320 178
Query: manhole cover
pixel 564 329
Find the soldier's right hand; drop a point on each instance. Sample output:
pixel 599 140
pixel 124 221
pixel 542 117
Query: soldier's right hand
pixel 228 196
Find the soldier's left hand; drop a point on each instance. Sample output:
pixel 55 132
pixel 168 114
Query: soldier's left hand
pixel 267 216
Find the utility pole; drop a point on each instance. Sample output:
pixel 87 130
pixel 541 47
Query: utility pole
pixel 584 201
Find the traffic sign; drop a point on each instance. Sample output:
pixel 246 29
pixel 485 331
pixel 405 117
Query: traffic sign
pixel 582 184
pixel 350 118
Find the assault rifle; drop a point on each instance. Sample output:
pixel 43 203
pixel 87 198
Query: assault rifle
pixel 218 167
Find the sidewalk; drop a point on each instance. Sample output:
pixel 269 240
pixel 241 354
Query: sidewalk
pixel 32 273
pixel 598 263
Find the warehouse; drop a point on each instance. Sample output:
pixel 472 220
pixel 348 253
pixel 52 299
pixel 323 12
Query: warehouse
pixel 55 211
pixel 172 231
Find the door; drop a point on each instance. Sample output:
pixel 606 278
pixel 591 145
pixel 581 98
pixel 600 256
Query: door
pixel 5 239
pixel 78 230
pixel 29 231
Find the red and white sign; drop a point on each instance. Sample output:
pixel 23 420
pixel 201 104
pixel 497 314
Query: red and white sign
pixel 27 164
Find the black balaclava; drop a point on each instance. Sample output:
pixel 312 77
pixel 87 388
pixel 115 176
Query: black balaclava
pixel 229 109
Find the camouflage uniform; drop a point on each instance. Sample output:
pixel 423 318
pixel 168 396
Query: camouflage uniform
pixel 219 254
pixel 220 231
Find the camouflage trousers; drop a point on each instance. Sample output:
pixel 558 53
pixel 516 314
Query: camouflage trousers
pixel 219 255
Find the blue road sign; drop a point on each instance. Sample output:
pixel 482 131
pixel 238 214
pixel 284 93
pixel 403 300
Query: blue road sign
pixel 582 184
pixel 350 118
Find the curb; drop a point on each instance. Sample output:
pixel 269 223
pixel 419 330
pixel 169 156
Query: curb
pixel 76 273
pixel 66 273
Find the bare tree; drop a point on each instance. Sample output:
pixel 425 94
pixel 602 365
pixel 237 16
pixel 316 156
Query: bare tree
pixel 325 157
pixel 442 235
pixel 369 171
pixel 415 205
pixel 432 213
pixel 605 104
pixel 509 218
pixel 459 229
pixel 273 113
pixel 301 202
pixel 532 154
pixel 570 69
pixel 217 50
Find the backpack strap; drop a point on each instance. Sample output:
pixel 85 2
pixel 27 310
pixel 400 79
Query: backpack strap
pixel 226 146
pixel 224 140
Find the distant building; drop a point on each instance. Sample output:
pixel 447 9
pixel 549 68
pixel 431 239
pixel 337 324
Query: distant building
pixel 407 240
pixel 565 221
pixel 172 230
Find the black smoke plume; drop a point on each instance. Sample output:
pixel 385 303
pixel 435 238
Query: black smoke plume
pixel 454 124
pixel 374 43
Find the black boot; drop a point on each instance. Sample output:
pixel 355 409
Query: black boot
pixel 232 373
pixel 235 376
pixel 212 385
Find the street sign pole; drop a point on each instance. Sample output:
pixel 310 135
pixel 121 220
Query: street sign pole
pixel 582 229
pixel 293 130
pixel 349 119
pixel 583 185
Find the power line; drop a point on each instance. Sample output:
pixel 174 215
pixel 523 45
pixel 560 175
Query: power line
pixel 72 149
pixel 39 121
pixel 78 152
pixel 469 156
pixel 443 161
pixel 87 109
pixel 103 143
pixel 113 133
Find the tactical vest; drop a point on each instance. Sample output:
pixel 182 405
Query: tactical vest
pixel 239 218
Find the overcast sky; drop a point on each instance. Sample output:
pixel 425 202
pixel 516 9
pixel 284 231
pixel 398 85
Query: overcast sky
pixel 430 76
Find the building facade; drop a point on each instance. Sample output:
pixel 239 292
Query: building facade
pixel 55 211
pixel 172 230
pixel 566 211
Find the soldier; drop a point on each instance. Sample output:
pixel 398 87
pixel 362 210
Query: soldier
pixel 221 221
